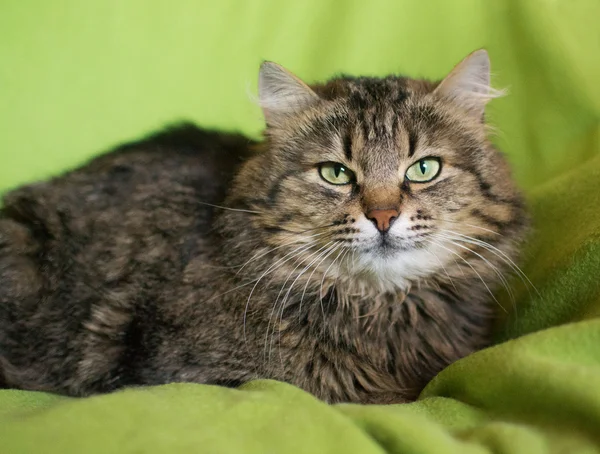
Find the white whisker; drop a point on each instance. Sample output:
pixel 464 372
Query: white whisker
pixel 492 266
pixel 500 254
pixel 270 269
pixel 279 294
pixel 468 225
pixel 285 298
pixel 323 280
pixel 474 270
pixel 279 247
pixel 444 268
pixel 227 208
pixel 310 277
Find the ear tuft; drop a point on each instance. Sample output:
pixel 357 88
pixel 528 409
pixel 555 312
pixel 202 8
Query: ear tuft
pixel 281 93
pixel 468 84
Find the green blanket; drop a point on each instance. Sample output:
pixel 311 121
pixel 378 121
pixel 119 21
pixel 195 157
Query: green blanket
pixel 76 77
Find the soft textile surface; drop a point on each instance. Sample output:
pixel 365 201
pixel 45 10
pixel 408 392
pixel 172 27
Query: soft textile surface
pixel 76 77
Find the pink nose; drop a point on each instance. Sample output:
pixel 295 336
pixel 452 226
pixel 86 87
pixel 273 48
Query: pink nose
pixel 382 219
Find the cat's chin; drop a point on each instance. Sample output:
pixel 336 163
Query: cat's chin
pixel 388 248
pixel 390 267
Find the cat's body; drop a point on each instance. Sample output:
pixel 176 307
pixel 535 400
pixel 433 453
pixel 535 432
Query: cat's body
pixel 123 272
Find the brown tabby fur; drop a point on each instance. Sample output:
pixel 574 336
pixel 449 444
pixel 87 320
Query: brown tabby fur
pixel 123 273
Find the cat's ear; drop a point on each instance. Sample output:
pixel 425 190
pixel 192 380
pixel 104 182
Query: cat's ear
pixel 281 93
pixel 468 85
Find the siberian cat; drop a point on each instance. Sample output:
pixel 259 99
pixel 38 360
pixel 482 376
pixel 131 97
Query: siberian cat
pixel 353 253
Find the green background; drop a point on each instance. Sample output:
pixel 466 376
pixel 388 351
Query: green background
pixel 76 77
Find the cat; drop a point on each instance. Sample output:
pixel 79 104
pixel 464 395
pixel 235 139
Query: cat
pixel 353 252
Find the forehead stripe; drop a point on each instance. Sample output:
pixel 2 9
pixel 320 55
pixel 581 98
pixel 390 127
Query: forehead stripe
pixel 412 142
pixel 348 145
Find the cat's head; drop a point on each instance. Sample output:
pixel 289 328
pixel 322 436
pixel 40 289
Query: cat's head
pixel 393 177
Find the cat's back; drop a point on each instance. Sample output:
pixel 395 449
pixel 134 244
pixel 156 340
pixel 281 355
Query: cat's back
pixel 161 168
pixel 95 247
pixel 159 188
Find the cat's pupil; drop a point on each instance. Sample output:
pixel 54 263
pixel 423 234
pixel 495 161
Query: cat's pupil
pixel 337 169
pixel 423 167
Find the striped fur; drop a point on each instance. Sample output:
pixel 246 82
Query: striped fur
pixel 195 256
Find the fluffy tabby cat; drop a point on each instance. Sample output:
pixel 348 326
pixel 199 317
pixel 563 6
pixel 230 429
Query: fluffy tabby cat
pixel 353 253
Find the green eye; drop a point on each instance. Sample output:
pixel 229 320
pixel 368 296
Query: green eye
pixel 424 170
pixel 335 173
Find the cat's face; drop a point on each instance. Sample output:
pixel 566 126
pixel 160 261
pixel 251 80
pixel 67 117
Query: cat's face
pixel 381 177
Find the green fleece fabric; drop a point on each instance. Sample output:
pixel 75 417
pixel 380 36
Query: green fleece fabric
pixel 76 77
